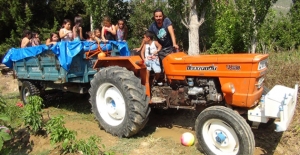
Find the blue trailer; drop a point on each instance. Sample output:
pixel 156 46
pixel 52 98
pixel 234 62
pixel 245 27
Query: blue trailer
pixel 65 65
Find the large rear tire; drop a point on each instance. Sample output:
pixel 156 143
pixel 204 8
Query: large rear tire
pixel 119 101
pixel 28 89
pixel 220 130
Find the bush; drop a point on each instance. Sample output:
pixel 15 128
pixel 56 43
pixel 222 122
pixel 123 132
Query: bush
pixel 32 113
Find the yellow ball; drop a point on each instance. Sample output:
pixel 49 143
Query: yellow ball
pixel 187 139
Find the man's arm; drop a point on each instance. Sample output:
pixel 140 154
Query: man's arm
pixel 172 34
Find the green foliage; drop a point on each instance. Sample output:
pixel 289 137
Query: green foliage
pixel 178 11
pixel 295 23
pixel 226 28
pixel 4 136
pixel 229 25
pixel 58 132
pixel 89 146
pixel 252 14
pixel 2 104
pixel 96 10
pixel 4 127
pixel 141 18
pixel 32 113
pixel 266 34
pixel 115 9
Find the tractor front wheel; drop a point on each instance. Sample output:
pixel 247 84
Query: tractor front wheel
pixel 220 130
pixel 119 101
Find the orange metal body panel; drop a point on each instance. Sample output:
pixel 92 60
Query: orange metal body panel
pixel 243 74
pixel 241 70
pixel 131 63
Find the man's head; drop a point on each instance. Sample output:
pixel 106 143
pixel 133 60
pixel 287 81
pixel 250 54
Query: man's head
pixel 158 16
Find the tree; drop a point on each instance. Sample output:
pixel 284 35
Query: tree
pixel 252 15
pixel 16 16
pixel 115 9
pixel 190 19
pixel 295 22
pixel 223 21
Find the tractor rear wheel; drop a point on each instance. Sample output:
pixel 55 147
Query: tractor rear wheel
pixel 119 101
pixel 28 89
pixel 220 130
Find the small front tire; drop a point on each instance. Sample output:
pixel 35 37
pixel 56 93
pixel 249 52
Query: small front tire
pixel 220 130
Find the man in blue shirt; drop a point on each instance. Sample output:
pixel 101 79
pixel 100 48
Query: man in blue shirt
pixel 164 31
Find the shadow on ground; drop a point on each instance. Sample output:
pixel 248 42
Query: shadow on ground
pixel 267 139
pixel 67 100
pixel 21 143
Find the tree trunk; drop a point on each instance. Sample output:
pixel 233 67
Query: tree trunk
pixel 253 41
pixel 193 40
pixel 254 35
pixel 194 33
pixel 91 23
pixel 253 45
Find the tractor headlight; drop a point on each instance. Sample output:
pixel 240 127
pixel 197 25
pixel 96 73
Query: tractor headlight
pixel 260 82
pixel 262 64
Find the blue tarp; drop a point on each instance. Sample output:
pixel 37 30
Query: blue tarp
pixel 15 54
pixel 64 51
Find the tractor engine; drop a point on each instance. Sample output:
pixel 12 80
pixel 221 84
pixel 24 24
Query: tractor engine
pixel 188 93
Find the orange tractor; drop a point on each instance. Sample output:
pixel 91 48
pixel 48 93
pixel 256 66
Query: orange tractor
pixel 228 86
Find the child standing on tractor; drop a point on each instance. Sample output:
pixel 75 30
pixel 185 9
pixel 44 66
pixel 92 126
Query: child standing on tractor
pixel 149 54
pixel 108 30
pixel 65 32
pixel 122 31
pixel 77 29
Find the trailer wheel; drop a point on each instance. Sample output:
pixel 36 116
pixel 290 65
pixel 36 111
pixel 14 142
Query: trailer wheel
pixel 220 130
pixel 28 89
pixel 119 101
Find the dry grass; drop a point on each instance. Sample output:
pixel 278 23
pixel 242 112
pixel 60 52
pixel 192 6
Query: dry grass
pixel 284 69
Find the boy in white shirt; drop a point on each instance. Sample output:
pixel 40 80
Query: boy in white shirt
pixel 149 54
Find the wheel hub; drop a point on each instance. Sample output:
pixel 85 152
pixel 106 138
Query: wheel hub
pixel 26 93
pixel 112 109
pixel 220 138
pixel 110 104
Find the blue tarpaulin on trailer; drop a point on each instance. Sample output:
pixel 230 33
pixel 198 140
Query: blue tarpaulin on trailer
pixel 64 51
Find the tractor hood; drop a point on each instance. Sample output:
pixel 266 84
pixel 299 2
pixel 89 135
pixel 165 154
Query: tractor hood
pixel 238 65
pixel 218 58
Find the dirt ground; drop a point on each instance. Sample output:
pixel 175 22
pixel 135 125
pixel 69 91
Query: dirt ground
pixel 160 136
